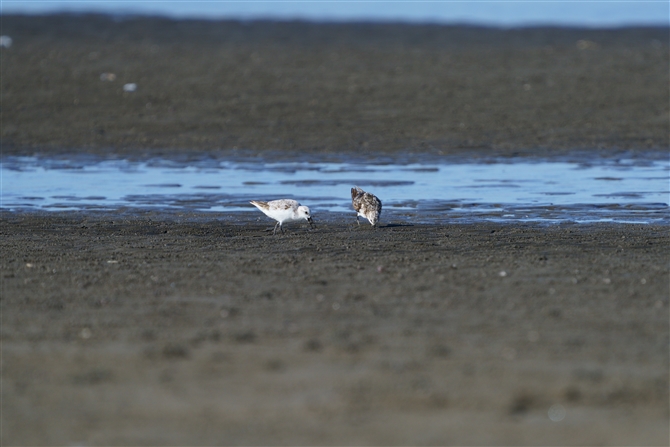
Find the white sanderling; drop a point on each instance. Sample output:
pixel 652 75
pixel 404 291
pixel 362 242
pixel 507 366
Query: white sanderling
pixel 366 205
pixel 283 210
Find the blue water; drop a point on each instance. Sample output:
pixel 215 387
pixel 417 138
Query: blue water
pixel 627 191
pixel 495 13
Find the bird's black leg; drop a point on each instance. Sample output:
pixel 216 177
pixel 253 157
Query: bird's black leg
pixel 275 230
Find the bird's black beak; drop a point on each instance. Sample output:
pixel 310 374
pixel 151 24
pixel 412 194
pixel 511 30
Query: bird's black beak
pixel 311 222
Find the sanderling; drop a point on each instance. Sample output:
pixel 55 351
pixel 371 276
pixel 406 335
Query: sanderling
pixel 283 210
pixel 366 205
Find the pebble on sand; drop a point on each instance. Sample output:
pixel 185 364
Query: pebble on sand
pixel 5 41
pixel 107 77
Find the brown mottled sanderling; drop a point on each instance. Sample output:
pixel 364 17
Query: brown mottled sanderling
pixel 366 205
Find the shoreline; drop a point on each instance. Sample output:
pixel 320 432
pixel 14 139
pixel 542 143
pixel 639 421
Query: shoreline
pixel 336 218
pixel 374 157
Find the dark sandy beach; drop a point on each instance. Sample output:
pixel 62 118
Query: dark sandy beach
pixel 136 327
pixel 330 88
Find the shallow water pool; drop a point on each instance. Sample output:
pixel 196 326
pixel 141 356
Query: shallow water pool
pixel 627 191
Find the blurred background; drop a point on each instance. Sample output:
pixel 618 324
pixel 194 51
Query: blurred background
pixel 491 13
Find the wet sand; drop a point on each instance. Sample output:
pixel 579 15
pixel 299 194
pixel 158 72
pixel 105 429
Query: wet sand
pixel 168 328
pixel 157 329
pixel 326 89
